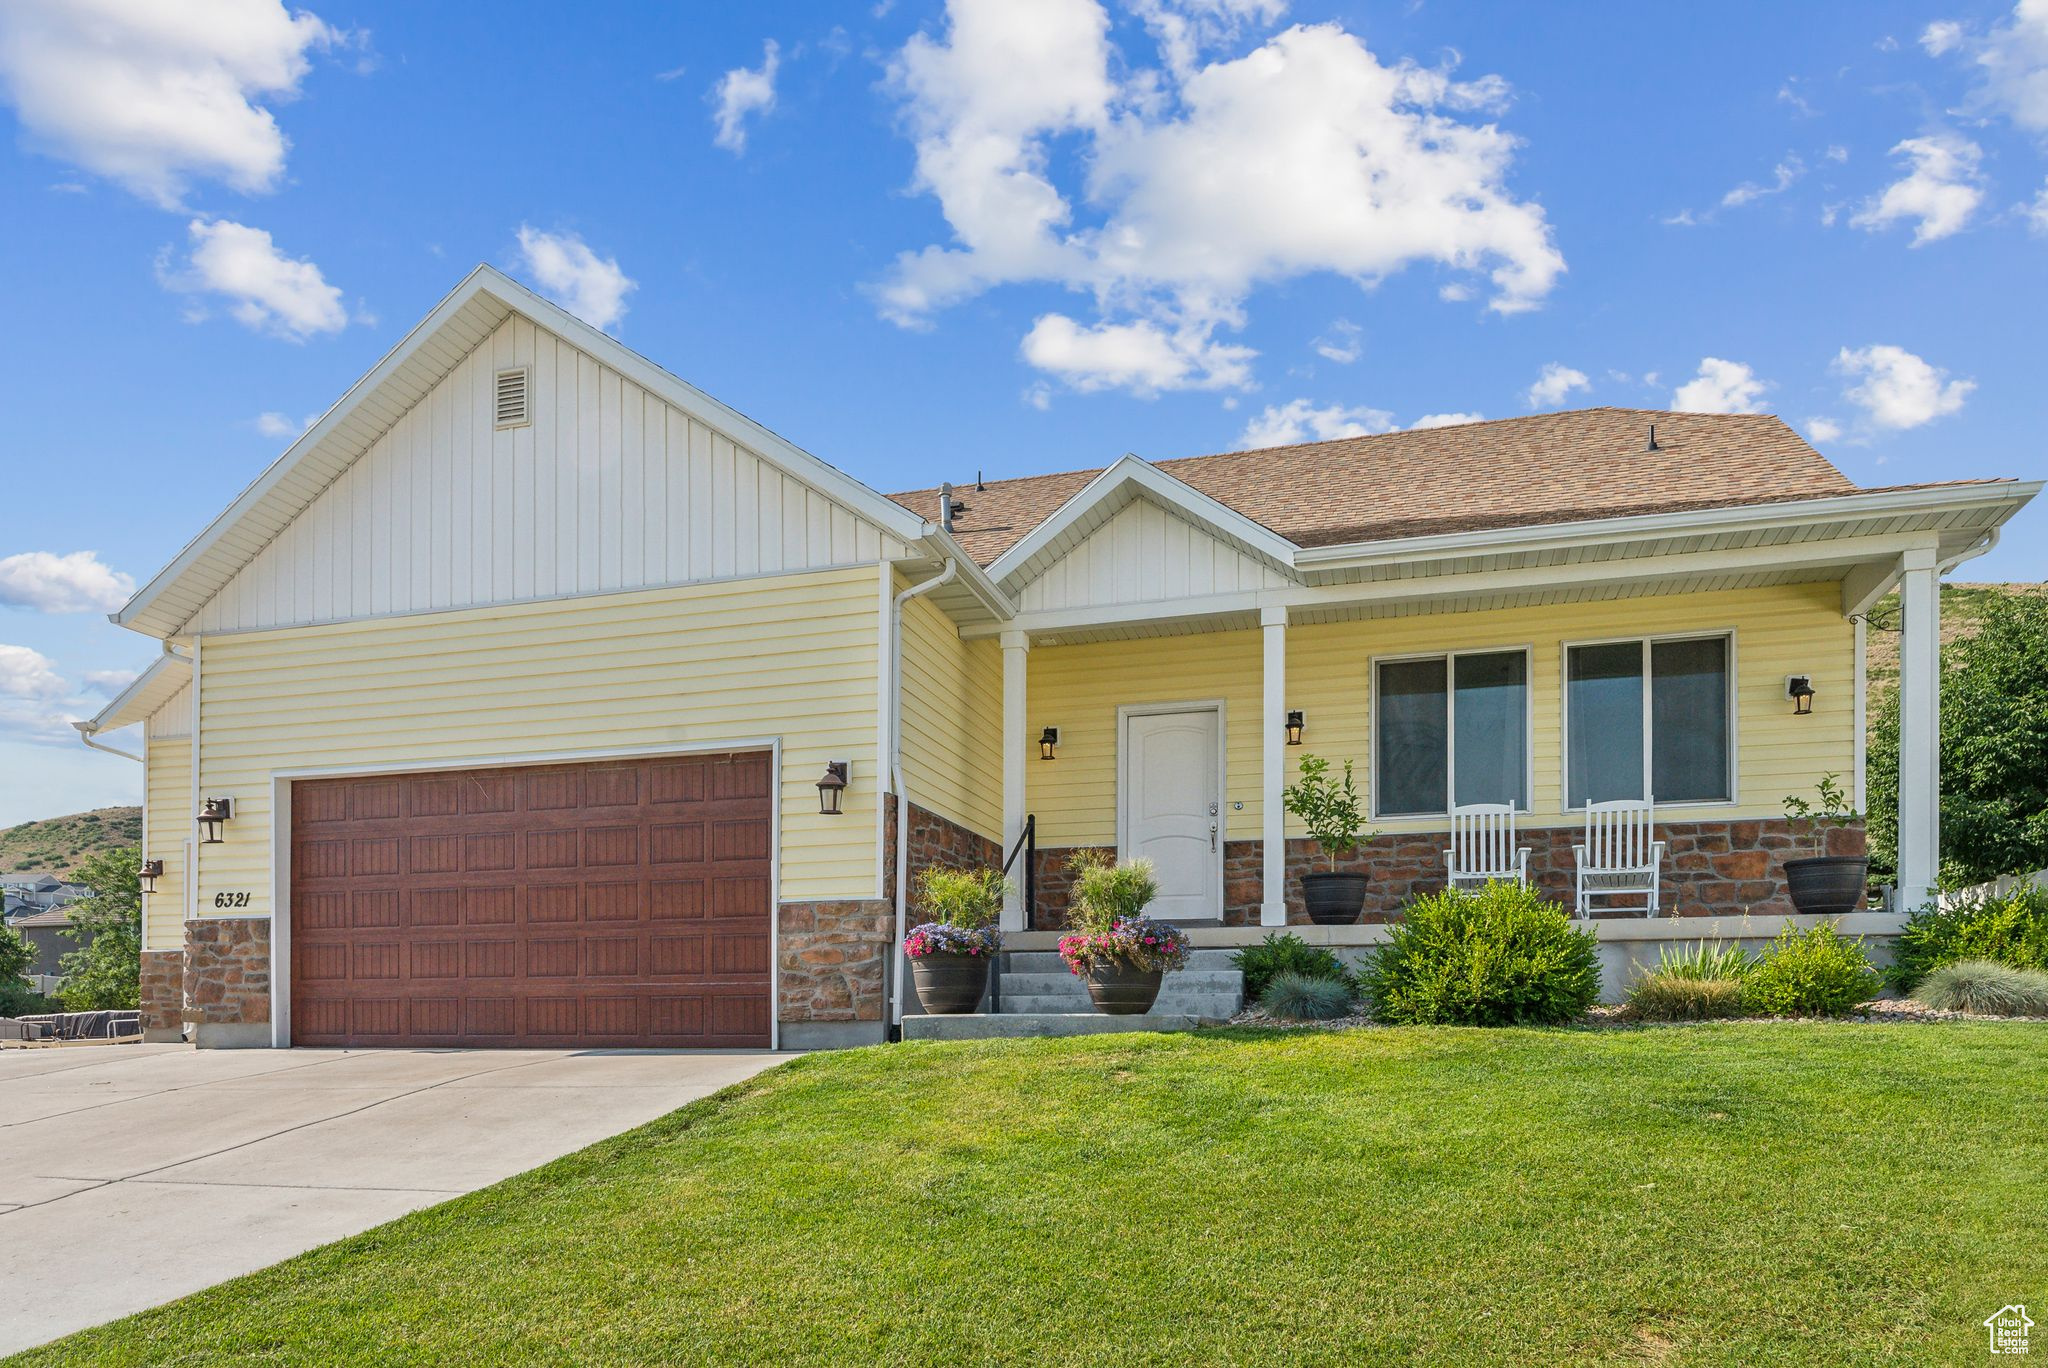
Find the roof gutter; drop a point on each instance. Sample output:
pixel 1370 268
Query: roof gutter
pixel 87 731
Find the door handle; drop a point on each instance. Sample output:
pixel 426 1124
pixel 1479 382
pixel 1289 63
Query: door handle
pixel 1212 836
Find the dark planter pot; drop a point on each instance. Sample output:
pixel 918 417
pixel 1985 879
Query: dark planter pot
pixel 1828 885
pixel 948 985
pixel 1119 990
pixel 1333 899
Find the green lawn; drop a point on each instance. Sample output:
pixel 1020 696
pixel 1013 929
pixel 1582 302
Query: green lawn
pixel 1751 1194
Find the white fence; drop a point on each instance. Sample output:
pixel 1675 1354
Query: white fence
pixel 2004 883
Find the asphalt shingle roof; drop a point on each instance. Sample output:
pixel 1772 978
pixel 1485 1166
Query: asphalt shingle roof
pixel 1511 472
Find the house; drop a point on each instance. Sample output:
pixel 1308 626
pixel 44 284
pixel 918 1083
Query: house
pixel 534 696
pixel 42 930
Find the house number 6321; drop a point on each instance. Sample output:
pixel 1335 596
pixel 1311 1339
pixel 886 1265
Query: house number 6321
pixel 231 900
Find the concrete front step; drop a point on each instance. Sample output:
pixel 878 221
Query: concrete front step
pixel 1049 962
pixel 1186 981
pixel 989 1026
pixel 1216 1005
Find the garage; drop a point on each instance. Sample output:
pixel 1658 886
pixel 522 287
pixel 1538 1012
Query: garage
pixel 622 903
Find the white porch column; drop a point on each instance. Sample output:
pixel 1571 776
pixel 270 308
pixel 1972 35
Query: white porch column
pixel 1919 728
pixel 1273 749
pixel 1016 755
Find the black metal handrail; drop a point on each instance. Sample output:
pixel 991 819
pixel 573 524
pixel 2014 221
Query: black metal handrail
pixel 1027 846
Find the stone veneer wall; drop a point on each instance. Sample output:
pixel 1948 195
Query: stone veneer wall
pixel 163 994
pixel 1725 868
pixel 834 954
pixel 227 972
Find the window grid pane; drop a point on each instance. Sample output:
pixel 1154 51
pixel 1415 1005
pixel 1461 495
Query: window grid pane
pixel 1490 722
pixel 1604 702
pixel 1414 735
pixel 1689 720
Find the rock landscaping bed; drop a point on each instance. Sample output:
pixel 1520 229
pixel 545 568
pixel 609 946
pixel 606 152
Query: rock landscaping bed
pixel 1890 1011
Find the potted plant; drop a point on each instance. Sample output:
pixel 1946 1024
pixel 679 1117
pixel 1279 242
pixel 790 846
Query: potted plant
pixel 1114 948
pixel 950 954
pixel 1823 884
pixel 1336 823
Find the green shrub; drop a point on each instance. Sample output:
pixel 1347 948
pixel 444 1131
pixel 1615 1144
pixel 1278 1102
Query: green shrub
pixel 1666 996
pixel 1287 954
pixel 1500 956
pixel 1818 972
pixel 1106 893
pixel 1300 997
pixel 966 898
pixel 1988 988
pixel 1705 960
pixel 2007 928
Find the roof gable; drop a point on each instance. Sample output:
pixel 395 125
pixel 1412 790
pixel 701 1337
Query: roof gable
pixel 470 327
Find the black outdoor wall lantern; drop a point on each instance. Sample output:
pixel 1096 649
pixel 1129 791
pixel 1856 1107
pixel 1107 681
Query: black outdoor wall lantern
pixel 1047 739
pixel 214 814
pixel 831 787
pixel 1799 688
pixel 151 871
pixel 1295 720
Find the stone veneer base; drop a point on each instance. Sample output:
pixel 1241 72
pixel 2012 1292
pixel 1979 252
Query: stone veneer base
pixel 163 995
pixel 227 981
pixel 1720 868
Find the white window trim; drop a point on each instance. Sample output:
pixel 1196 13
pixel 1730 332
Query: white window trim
pixel 1372 779
pixel 1564 716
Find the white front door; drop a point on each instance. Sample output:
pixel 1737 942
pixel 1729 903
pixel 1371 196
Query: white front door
pixel 1170 806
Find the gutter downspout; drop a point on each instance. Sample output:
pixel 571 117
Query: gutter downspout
pixel 87 731
pixel 895 761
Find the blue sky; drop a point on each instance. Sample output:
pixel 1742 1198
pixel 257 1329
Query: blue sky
pixel 1007 238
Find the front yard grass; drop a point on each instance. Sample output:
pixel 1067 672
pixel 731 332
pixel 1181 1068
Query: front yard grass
pixel 1741 1194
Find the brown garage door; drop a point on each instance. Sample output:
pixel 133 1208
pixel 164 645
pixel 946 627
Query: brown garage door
pixel 622 903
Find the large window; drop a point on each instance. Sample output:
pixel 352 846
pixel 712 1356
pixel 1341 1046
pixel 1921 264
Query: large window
pixel 1451 730
pixel 1649 719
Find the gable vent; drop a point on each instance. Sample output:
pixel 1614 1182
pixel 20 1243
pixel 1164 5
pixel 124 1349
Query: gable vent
pixel 515 408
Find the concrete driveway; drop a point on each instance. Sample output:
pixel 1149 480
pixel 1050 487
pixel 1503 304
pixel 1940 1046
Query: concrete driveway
pixel 133 1174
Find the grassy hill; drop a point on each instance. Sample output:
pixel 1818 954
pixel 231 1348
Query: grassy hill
pixel 1962 608
pixel 59 845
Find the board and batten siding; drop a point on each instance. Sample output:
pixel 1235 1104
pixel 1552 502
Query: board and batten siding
pixel 792 656
pixel 608 488
pixel 1145 554
pixel 1778 631
pixel 952 720
pixel 167 799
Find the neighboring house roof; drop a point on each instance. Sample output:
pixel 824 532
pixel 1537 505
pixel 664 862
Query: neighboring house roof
pixel 1513 472
pixel 467 316
pixel 55 916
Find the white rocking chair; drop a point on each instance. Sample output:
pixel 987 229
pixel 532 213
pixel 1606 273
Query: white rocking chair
pixel 1620 857
pixel 1483 846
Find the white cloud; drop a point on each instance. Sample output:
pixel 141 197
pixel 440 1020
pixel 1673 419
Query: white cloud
pixel 1783 176
pixel 1820 429
pixel 107 683
pixel 1437 420
pixel 49 583
pixel 2011 62
pixel 36 702
pixel 1939 194
pixel 154 95
pixel 1341 343
pixel 1185 29
pixel 1142 356
pixel 743 91
pixel 1943 35
pixel 2035 211
pixel 1897 389
pixel 1200 183
pixel 280 427
pixel 265 289
pixel 587 285
pixel 1299 420
pixel 1555 383
pixel 1721 387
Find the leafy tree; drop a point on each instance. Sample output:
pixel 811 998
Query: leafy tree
pixel 105 972
pixel 16 997
pixel 1994 749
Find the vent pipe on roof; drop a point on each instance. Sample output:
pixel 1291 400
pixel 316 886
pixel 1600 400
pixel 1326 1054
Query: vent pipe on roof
pixel 948 506
pixel 1653 439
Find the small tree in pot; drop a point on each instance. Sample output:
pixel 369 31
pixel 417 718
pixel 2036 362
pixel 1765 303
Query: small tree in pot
pixel 1114 948
pixel 1336 823
pixel 1823 884
pixel 950 954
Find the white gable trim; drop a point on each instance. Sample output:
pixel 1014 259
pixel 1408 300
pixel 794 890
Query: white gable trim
pixel 153 688
pixel 168 603
pixel 1107 493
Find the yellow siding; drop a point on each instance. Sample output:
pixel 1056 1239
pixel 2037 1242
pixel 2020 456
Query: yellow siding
pixel 167 791
pixel 792 656
pixel 1790 630
pixel 952 720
